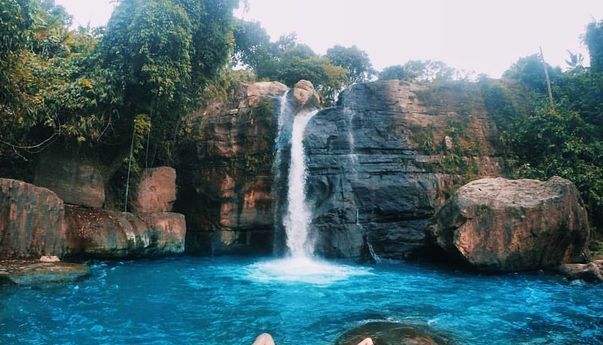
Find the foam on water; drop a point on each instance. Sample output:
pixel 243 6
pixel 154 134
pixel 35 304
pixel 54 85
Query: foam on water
pixel 303 270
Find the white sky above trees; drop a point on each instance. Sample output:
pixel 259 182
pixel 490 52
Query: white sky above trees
pixel 483 36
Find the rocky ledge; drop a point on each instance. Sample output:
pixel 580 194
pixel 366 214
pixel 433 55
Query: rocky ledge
pixel 35 273
pixel 590 272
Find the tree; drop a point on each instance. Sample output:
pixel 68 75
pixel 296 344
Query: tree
pixel 286 60
pixel 393 72
pixel 356 61
pixel 530 72
pixel 428 70
pixel 594 40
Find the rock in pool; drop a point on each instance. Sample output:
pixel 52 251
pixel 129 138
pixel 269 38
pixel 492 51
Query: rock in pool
pixel 22 272
pixel 390 333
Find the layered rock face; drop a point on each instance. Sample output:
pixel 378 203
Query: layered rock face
pixel 497 224
pixel 383 161
pixel 225 185
pixel 112 234
pixel 31 221
pixel 77 181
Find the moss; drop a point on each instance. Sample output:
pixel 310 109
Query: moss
pixel 423 137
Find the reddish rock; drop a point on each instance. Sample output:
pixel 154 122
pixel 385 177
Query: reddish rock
pixel 156 191
pixel 305 96
pixel 226 173
pixel 511 225
pixel 590 272
pixel 112 234
pixel 256 92
pixel 31 221
pixel 75 180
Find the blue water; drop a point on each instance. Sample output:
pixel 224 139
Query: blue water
pixel 229 301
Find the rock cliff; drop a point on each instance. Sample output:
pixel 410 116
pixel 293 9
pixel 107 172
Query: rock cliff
pixel 385 158
pixel 225 183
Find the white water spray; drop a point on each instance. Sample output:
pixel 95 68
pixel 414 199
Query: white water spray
pixel 298 217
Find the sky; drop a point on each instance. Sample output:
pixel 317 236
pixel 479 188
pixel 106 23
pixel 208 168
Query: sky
pixel 485 36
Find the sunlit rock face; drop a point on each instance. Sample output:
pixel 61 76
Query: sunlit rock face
pixel 225 173
pixel 98 233
pixel 156 191
pixel 383 161
pixel 31 221
pixel 496 224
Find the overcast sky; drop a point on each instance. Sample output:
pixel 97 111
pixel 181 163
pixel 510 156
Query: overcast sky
pixel 483 36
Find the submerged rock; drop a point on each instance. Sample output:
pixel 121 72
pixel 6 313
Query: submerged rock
pixel 112 234
pixel 156 191
pixel 41 273
pixel 390 333
pixel 31 221
pixel 498 224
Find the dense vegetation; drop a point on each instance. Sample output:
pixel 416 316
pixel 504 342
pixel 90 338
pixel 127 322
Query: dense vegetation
pixel 121 91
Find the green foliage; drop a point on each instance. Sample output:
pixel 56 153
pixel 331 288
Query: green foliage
pixel 557 141
pixel 286 60
pixel 356 61
pixel 394 72
pixel 530 71
pixel 421 71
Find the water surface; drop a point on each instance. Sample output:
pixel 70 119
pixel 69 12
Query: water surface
pixel 231 300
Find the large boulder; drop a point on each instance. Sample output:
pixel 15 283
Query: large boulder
pixel 156 191
pixel 258 92
pixel 111 234
pixel 497 224
pixel 31 221
pixel 76 180
pixel 304 96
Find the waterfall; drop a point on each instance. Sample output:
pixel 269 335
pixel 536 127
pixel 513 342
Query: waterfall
pixel 299 216
pixel 300 265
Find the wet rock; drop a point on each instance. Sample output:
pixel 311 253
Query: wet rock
pixel 156 191
pixel 590 272
pixel 76 180
pixel 31 221
pixel 378 168
pixel 110 234
pixel 498 224
pixel 41 273
pixel 390 333
pixel 305 96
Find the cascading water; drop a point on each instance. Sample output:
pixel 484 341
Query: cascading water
pixel 297 220
pixel 300 265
